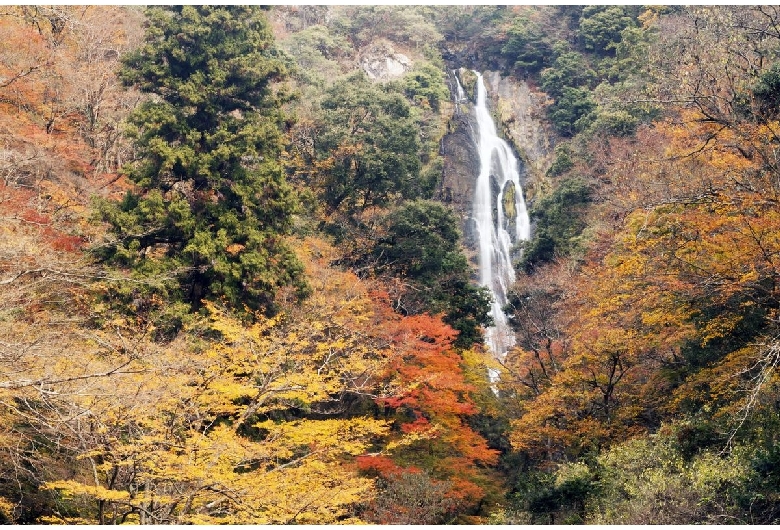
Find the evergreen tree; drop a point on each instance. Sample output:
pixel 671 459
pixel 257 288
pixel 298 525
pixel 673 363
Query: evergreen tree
pixel 211 205
pixel 422 247
pixel 368 147
pixel 527 46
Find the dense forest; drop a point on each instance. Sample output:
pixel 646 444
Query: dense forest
pixel 237 287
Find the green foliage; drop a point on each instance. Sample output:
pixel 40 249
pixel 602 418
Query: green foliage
pixel 615 52
pixel 653 480
pixel 466 308
pixel 649 481
pixel 422 247
pixel 426 86
pixel 211 205
pixel 431 174
pixel 468 80
pixel 570 15
pixel 554 498
pixel 760 496
pixel 316 51
pixel 568 81
pixel 572 112
pixel 601 26
pixel 475 30
pixel 368 146
pixel 615 123
pixel 411 25
pixel 527 47
pixel 630 55
pixel 562 162
pixel 559 222
pixel 422 241
pixel 766 92
pixel 570 69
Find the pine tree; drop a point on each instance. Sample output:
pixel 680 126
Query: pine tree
pixel 211 204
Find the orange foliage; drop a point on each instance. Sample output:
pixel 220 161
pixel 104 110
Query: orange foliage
pixel 688 258
pixel 430 401
pixel 433 389
pixel 383 466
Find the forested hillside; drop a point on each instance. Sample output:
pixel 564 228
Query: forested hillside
pixel 238 282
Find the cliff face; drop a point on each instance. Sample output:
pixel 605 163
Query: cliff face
pixel 518 110
pixel 461 167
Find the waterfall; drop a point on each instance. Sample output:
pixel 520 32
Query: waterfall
pixel 461 94
pixel 500 215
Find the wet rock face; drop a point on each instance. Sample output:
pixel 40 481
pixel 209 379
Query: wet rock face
pixel 461 167
pixel 510 210
pixel 519 111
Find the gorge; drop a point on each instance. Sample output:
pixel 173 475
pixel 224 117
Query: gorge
pixel 406 265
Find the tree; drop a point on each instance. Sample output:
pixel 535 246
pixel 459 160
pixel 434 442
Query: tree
pixel 766 92
pixel 410 26
pixel 228 423
pixel 527 46
pixel 560 222
pixel 425 85
pixel 432 403
pixel 653 479
pixel 540 327
pixel 601 27
pixel 100 36
pixel 411 498
pixel 316 51
pixel 572 111
pixel 421 246
pixel 569 69
pixel 211 206
pixel 367 149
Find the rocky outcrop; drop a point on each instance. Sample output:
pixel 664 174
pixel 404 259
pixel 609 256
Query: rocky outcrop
pixel 380 62
pixel 461 167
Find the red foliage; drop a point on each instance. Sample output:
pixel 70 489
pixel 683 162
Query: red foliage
pixel 18 203
pixel 433 399
pixel 67 243
pixel 32 216
pixel 383 466
pixel 428 369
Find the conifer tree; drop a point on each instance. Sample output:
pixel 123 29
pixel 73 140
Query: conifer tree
pixel 211 204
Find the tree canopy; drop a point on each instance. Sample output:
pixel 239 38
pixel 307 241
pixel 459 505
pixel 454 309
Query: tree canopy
pixel 368 146
pixel 422 247
pixel 211 207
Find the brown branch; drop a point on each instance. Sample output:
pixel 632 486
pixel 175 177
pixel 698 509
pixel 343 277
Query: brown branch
pixel 40 383
pixel 22 74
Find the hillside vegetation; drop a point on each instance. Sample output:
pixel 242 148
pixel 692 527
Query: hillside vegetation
pixel 229 294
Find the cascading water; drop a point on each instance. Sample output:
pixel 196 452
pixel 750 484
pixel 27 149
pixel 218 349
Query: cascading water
pixel 501 218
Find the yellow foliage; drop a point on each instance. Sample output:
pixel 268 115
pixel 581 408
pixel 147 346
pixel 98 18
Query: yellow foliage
pixel 6 509
pixel 237 428
pixel 69 488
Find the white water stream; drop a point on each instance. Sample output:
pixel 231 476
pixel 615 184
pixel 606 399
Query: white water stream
pixel 501 218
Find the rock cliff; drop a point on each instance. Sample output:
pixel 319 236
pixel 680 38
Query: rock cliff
pixel 519 111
